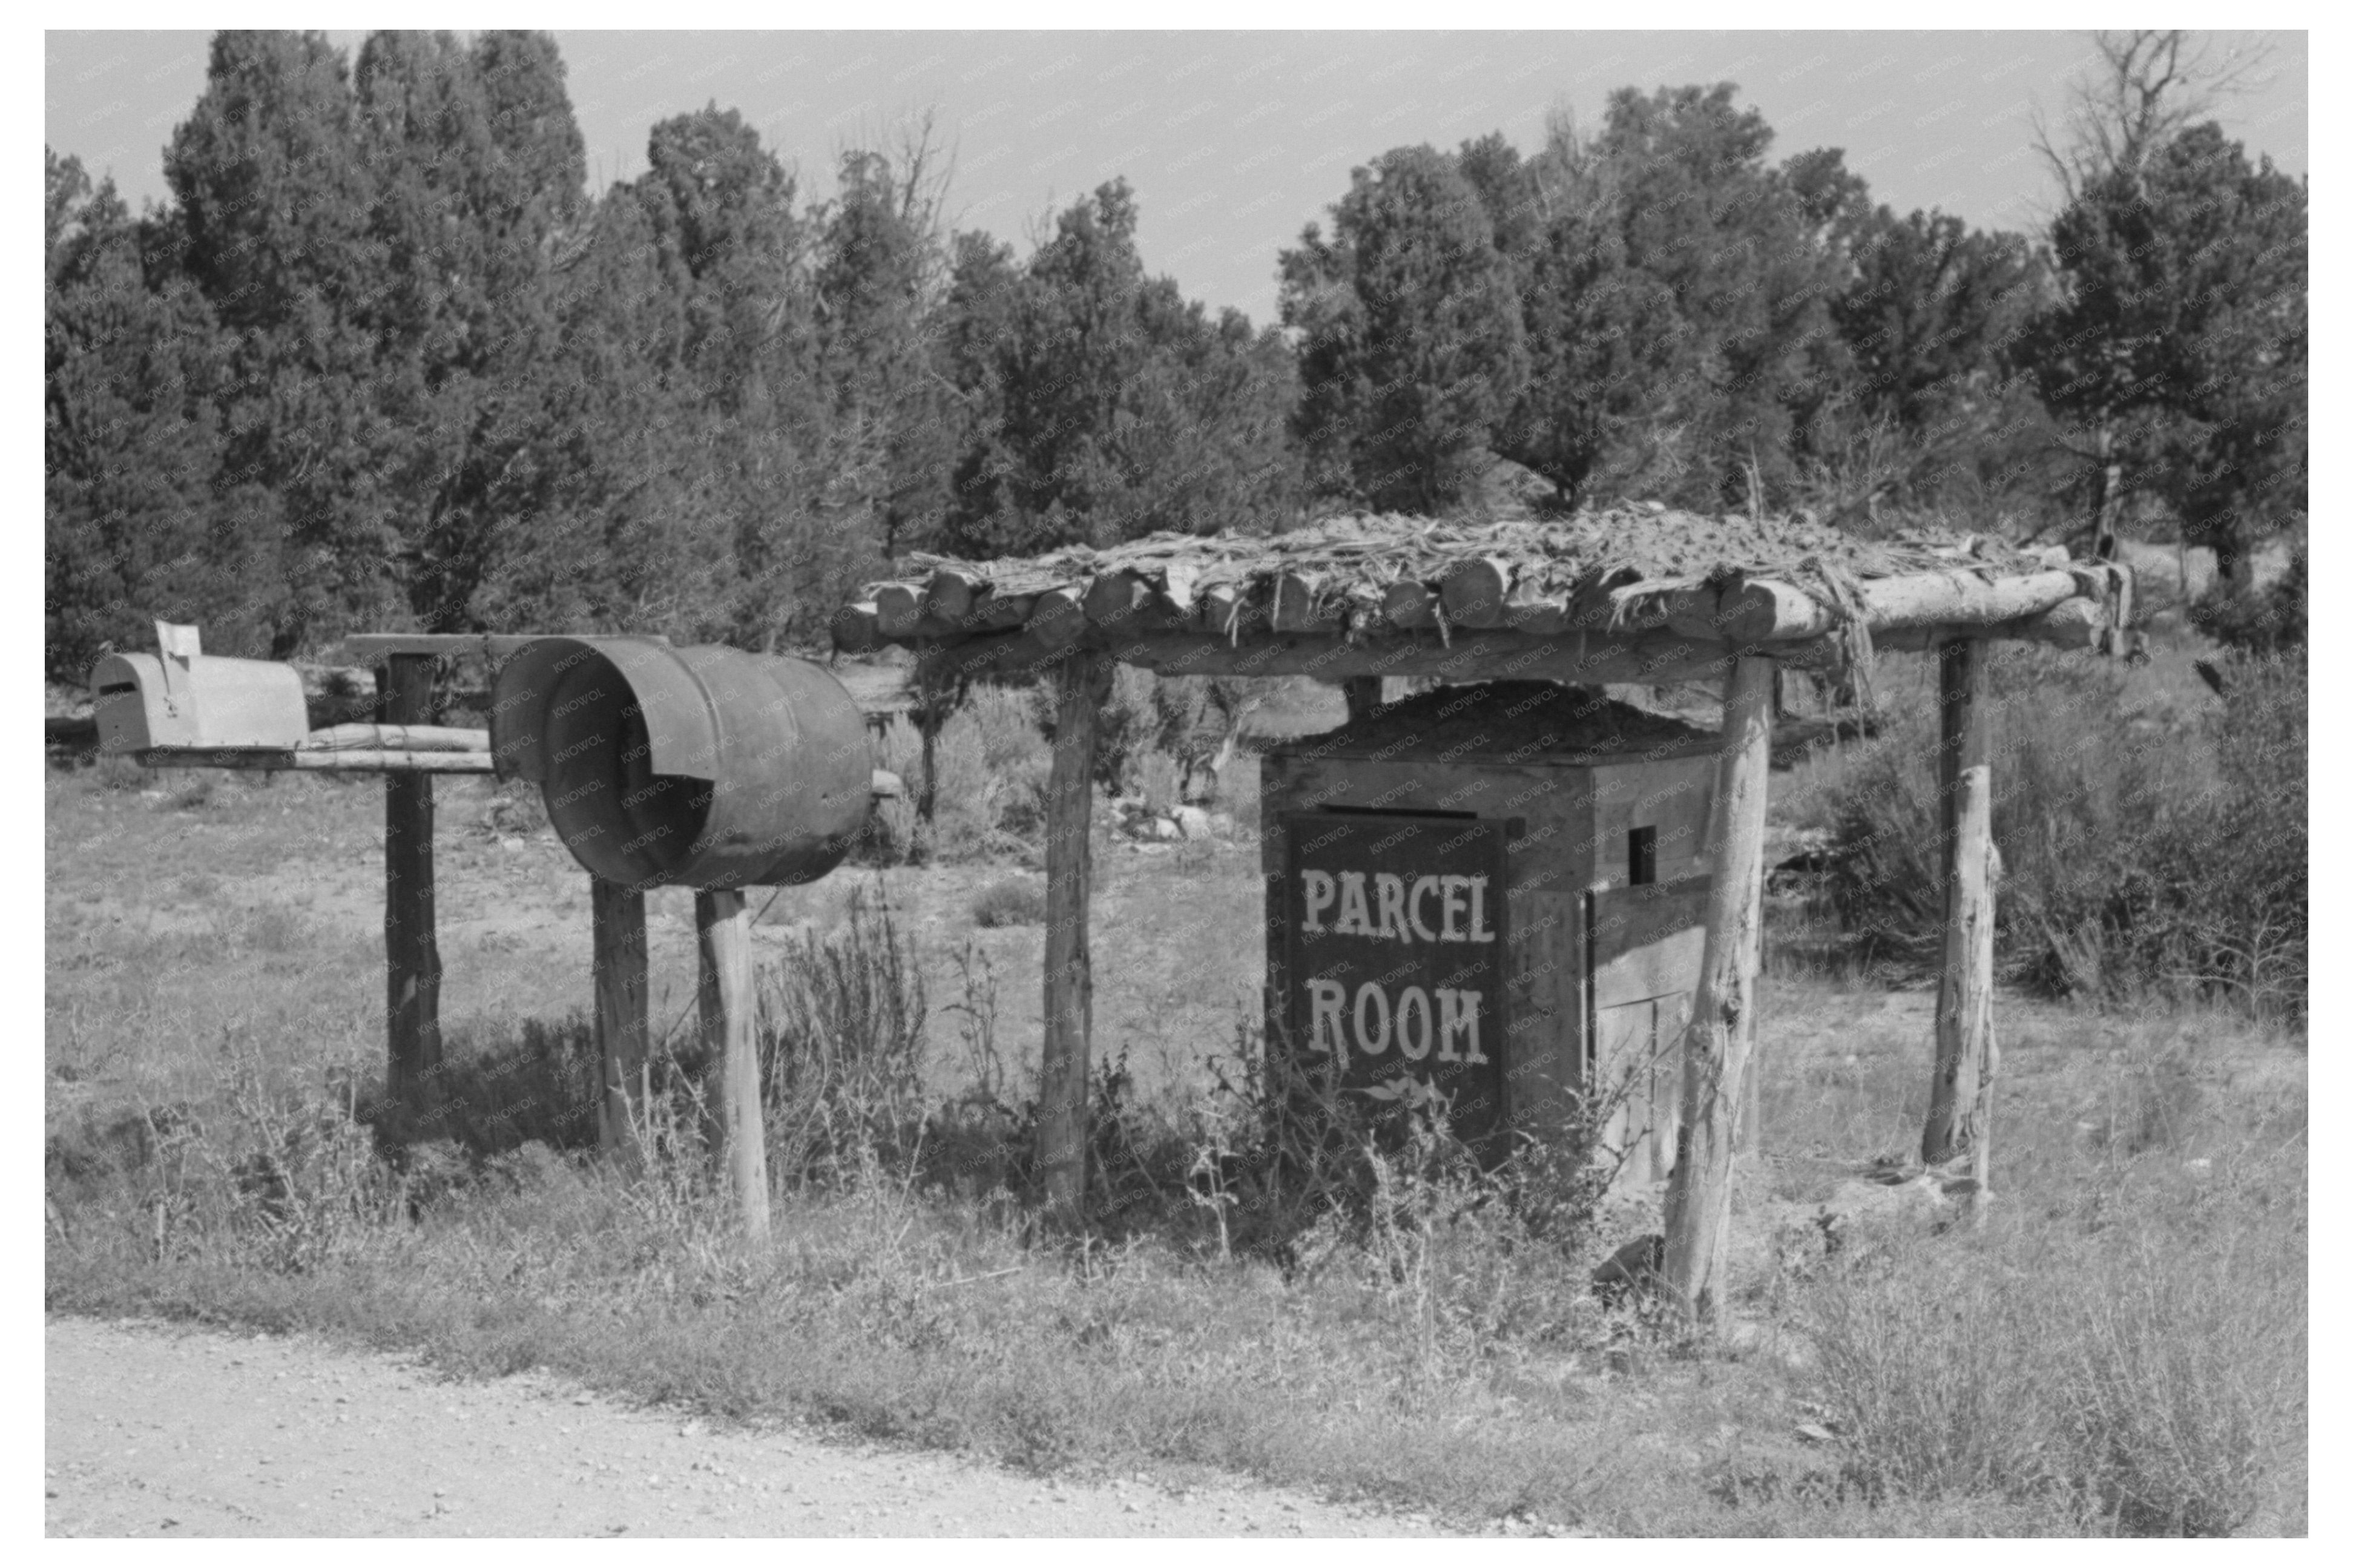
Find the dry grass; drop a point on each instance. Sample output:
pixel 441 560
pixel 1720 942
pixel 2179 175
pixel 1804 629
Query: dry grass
pixel 2122 1349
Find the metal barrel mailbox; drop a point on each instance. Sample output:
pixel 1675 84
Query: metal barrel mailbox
pixel 704 766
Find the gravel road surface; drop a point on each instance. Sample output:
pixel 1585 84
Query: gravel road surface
pixel 154 1430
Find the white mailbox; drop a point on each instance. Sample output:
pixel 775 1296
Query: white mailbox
pixel 182 697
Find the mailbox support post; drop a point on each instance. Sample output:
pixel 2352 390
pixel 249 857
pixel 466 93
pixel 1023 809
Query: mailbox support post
pixel 411 954
pixel 617 922
pixel 739 1141
pixel 1070 973
pixel 1722 1028
pixel 1363 695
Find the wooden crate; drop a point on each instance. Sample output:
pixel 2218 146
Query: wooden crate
pixel 1604 816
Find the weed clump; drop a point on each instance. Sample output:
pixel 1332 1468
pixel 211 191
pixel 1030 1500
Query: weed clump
pixel 840 1031
pixel 1010 901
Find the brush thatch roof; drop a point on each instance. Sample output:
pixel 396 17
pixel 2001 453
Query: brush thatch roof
pixel 1616 574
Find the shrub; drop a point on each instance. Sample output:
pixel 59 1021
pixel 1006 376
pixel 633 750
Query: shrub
pixel 118 773
pixel 1006 723
pixel 496 1091
pixel 2269 621
pixel 1238 791
pixel 1160 781
pixel 1010 901
pixel 2134 858
pixel 970 811
pixel 1287 1155
pixel 990 763
pixel 900 748
pixel 893 835
pixel 517 809
pixel 1128 728
pixel 1153 723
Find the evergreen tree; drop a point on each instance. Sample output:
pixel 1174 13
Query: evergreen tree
pixel 1699 211
pixel 1102 404
pixel 1931 323
pixel 274 204
pixel 1410 343
pixel 130 440
pixel 880 278
pixel 2178 349
pixel 475 167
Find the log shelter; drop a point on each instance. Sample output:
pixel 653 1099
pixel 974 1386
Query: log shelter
pixel 1635 594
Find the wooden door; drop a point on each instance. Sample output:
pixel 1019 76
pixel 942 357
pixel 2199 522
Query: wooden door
pixel 1644 947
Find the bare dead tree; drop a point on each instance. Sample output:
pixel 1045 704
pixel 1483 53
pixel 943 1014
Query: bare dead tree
pixel 2148 85
pixel 925 169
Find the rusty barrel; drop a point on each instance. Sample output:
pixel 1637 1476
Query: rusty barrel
pixel 702 766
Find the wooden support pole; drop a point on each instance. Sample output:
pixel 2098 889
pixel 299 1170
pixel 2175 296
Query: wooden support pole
pixel 1960 1093
pixel 1723 1030
pixel 617 927
pixel 412 958
pixel 1956 664
pixel 1749 1127
pixel 1070 975
pixel 722 930
pixel 934 701
pixel 1363 695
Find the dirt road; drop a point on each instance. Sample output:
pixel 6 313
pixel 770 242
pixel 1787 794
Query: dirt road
pixel 153 1430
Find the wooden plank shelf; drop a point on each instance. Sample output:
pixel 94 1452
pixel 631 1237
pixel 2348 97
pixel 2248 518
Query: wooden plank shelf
pixel 281 759
pixel 374 647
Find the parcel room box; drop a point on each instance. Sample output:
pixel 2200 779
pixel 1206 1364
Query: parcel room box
pixel 1497 891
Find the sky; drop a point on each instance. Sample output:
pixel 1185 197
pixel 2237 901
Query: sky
pixel 1234 141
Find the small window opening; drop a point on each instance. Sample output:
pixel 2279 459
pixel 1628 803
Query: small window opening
pixel 1642 856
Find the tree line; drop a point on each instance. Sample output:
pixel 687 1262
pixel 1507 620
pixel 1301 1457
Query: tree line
pixel 384 360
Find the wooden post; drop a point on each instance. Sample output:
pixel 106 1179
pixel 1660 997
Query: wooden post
pixel 1960 1093
pixel 1723 1029
pixel 412 958
pixel 1748 1125
pixel 1363 695
pixel 931 703
pixel 618 926
pixel 1070 975
pixel 739 1141
pixel 1954 667
pixel 2107 492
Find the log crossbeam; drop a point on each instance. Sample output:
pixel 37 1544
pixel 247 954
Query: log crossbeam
pixel 1257 624
pixel 1589 659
